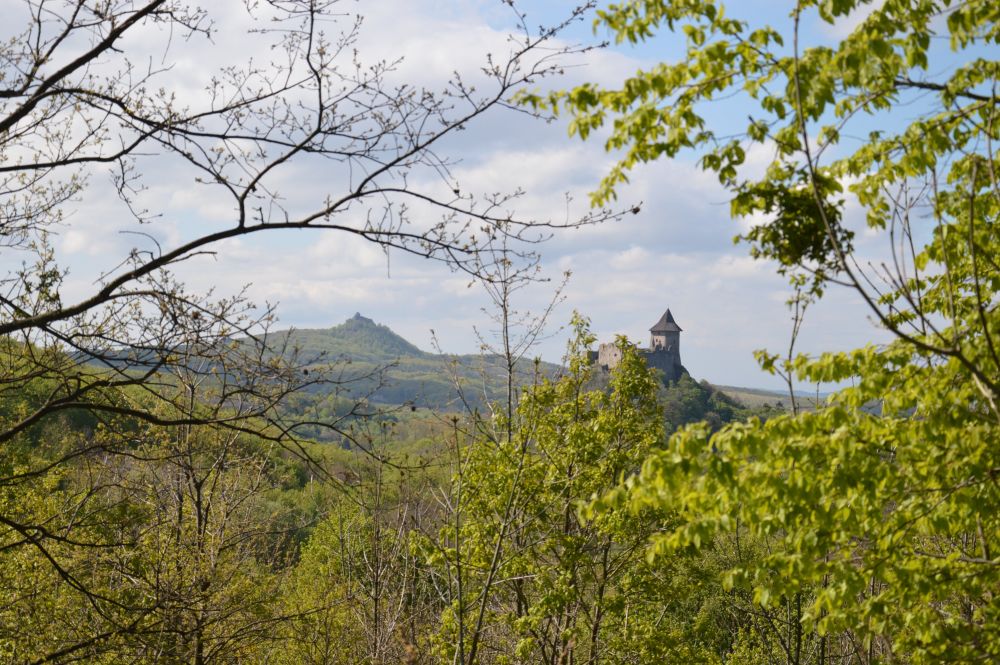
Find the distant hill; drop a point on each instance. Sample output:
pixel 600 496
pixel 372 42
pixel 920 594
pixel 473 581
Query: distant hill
pixel 755 396
pixel 374 363
pixel 758 397
pixel 358 338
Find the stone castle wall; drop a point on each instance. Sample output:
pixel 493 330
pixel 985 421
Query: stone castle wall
pixel 667 360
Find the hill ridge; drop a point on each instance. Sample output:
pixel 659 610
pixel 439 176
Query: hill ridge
pixel 358 337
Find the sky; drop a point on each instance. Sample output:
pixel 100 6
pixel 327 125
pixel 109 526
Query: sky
pixel 678 252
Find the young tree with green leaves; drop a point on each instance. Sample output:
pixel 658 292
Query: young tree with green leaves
pixel 532 578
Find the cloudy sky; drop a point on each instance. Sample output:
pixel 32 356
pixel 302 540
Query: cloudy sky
pixel 677 253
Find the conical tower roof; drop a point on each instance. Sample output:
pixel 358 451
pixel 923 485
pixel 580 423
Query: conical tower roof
pixel 665 324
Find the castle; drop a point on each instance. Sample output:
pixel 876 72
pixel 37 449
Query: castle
pixel 664 352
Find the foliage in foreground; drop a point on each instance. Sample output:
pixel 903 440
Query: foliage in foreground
pixel 883 527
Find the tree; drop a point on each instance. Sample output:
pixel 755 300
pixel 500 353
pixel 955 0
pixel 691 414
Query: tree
pixel 206 563
pixel 884 525
pixel 528 575
pixel 324 598
pixel 357 594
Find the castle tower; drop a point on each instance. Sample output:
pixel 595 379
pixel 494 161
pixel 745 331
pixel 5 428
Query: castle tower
pixel 665 335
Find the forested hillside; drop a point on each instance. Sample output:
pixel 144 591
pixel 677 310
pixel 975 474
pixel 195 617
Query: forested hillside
pixel 365 360
pixel 218 543
pixel 358 339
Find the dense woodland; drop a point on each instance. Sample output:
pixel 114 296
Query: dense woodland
pixel 179 483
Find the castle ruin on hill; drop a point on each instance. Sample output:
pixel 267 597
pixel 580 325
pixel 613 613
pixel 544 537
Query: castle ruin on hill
pixel 664 352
